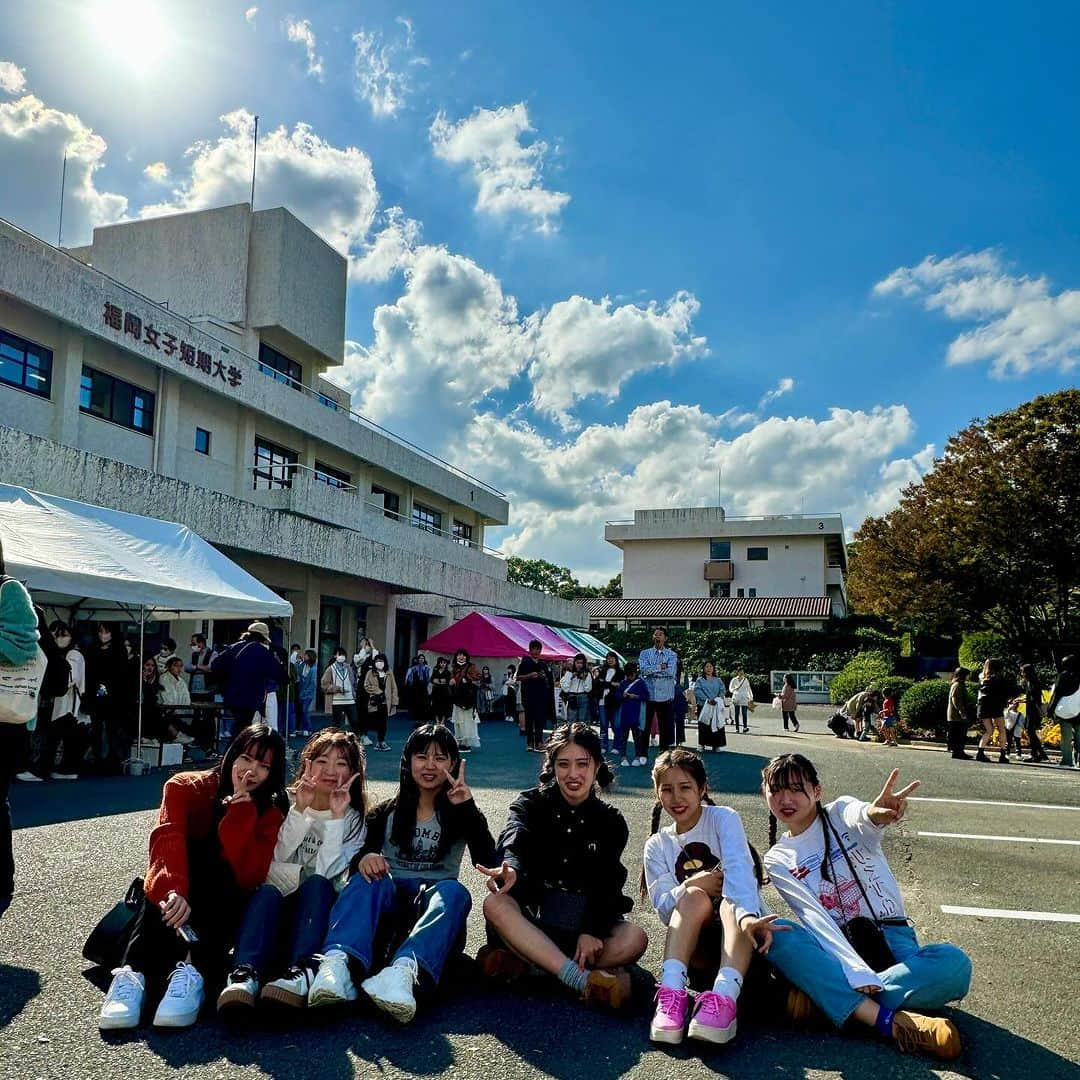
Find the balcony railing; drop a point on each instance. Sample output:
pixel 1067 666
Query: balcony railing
pixel 719 570
pixel 281 476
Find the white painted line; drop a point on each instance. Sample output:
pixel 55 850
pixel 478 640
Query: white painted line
pixel 991 802
pixel 1004 913
pixel 983 836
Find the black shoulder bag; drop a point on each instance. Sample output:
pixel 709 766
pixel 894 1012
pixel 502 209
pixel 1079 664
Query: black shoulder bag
pixel 864 935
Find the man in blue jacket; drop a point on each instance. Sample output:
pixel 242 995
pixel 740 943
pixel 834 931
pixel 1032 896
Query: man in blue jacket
pixel 246 671
pixel 658 666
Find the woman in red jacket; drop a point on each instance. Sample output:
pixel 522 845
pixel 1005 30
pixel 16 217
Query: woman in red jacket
pixel 211 847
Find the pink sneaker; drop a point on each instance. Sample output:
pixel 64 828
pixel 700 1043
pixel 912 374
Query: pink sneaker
pixel 669 1021
pixel 714 1018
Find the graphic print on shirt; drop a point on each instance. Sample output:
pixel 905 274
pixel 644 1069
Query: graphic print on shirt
pixel 844 900
pixel 425 844
pixel 694 858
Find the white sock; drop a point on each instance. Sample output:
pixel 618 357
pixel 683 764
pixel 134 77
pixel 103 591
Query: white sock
pixel 673 975
pixel 728 982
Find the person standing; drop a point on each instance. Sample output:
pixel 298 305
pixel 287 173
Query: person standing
pixel 198 671
pixel 575 686
pixel 709 694
pixel 339 686
pixel 307 676
pixel 1064 707
pixel 990 706
pixel 464 693
pixel 246 670
pixel 607 700
pixel 1033 711
pixel 537 688
pixel 417 693
pixel 658 667
pixel 381 692
pixel 111 686
pixel 510 708
pixel 742 693
pixel 67 729
pixel 441 705
pixel 958 714
pixel 789 702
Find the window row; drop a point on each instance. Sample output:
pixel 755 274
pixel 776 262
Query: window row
pixel 720 550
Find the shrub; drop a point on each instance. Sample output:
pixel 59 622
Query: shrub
pixel 898 684
pixel 978 645
pixel 866 669
pixel 925 706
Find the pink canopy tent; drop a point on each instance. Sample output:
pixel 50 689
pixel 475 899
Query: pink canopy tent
pixel 497 636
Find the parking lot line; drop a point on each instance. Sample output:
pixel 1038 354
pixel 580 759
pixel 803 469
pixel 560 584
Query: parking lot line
pixel 1005 913
pixel 984 836
pixel 991 802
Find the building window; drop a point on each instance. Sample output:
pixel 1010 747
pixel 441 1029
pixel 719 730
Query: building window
pixel 279 366
pixel 391 501
pixel 202 441
pixel 334 477
pixel 25 365
pixel 719 549
pixel 751 592
pixel 719 588
pixel 113 399
pixel 423 517
pixel 740 592
pixel 757 554
pixel 274 465
pixel 462 533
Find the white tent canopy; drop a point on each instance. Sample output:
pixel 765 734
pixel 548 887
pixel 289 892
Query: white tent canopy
pixel 65 550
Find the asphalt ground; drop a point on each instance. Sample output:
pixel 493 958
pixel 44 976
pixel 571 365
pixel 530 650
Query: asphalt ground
pixel 78 845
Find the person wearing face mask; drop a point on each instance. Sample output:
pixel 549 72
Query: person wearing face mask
pixel 70 727
pixel 110 685
pixel 380 688
pixel 339 686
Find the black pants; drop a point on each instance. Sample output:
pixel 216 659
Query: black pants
pixel 345 718
pixel 376 721
pixel 789 714
pixel 957 737
pixel 536 715
pixel 67 732
pixel 665 723
pixel 11 736
pixel 242 717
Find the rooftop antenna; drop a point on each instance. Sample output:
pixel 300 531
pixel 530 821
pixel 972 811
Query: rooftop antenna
pixel 254 156
pixel 63 181
pixel 720 487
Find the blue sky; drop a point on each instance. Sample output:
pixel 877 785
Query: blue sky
pixel 602 253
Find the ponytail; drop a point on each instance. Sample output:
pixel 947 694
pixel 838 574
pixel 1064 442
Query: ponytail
pixel 826 857
pixel 772 828
pixel 657 811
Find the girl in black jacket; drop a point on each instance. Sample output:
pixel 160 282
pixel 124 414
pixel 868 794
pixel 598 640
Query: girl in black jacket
pixel 990 707
pixel 560 904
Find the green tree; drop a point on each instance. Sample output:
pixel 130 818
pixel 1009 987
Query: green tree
pixel 988 537
pixel 541 575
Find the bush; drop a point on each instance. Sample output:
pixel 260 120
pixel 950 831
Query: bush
pixel 866 669
pixel 925 706
pixel 898 684
pixel 977 646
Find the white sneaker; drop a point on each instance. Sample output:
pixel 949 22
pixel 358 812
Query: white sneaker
pixel 332 984
pixel 642 761
pixel 364 740
pixel 63 776
pixel 27 777
pixel 183 738
pixel 629 764
pixel 183 998
pixel 241 989
pixel 291 989
pixel 392 989
pixel 123 1003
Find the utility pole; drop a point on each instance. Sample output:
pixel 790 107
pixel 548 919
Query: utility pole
pixel 254 157
pixel 63 181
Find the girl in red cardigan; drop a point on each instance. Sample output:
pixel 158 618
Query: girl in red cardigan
pixel 211 847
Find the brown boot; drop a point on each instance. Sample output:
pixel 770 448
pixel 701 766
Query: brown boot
pixel 500 964
pixel 930 1034
pixel 610 988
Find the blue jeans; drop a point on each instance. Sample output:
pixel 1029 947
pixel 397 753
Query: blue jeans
pixel 609 719
pixel 923 977
pixel 437 911
pixel 303 914
pixel 577 708
pixel 741 714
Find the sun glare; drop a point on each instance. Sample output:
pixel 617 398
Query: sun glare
pixel 135 35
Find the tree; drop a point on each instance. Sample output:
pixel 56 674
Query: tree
pixel 988 538
pixel 612 588
pixel 556 580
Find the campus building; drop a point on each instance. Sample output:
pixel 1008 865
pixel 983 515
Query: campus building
pixel 697 568
pixel 175 368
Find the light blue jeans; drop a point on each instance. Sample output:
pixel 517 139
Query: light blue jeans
pixel 923 977
pixel 436 910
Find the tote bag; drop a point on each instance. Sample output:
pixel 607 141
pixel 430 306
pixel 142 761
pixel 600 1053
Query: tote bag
pixel 20 688
pixel 1068 708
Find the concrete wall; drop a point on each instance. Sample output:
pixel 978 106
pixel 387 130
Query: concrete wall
pixel 654 568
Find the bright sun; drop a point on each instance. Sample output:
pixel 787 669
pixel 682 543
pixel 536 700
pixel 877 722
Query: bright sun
pixel 134 34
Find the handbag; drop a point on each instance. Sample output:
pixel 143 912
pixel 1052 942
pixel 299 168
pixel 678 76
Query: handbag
pixel 1068 708
pixel 778 703
pixel 864 935
pixel 108 940
pixel 562 911
pixel 20 689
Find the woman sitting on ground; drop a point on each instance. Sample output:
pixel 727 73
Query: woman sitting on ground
pixel 211 848
pixel 563 906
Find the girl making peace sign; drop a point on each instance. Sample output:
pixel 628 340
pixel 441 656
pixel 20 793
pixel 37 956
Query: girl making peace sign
pixel 287 917
pixel 858 955
pixel 407 874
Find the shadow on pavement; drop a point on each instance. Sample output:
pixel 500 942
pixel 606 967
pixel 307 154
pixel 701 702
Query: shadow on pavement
pixel 17 986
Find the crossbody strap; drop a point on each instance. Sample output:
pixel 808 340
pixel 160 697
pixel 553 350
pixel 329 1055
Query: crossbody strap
pixel 851 867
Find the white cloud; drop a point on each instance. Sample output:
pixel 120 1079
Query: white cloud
pixel 508 173
pixel 33 140
pixel 784 386
pixel 12 78
pixel 251 13
pixel 1019 324
pixel 391 249
pixel 299 31
pixel 379 68
pixel 585 347
pixel 332 189
pixel 157 171
pixel 670 455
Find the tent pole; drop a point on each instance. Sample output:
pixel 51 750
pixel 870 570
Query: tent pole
pixel 142 635
pixel 288 677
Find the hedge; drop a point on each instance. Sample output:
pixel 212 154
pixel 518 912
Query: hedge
pixel 925 705
pixel 980 644
pixel 866 669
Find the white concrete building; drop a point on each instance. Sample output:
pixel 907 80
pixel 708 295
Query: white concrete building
pixel 175 367
pixel 698 566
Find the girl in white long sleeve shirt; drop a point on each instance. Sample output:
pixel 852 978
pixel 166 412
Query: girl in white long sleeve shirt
pixel 287 918
pixel 700 877
pixel 830 868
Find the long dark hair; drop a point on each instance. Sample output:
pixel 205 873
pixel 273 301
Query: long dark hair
pixel 322 742
pixel 796 772
pixel 680 758
pixel 258 740
pixel 405 803
pixel 576 734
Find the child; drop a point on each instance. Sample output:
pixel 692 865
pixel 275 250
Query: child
pixel 633 694
pixel 211 847
pixel 407 872
pixel 831 870
pixel 560 903
pixel 286 921
pixel 702 881
pixel 888 717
